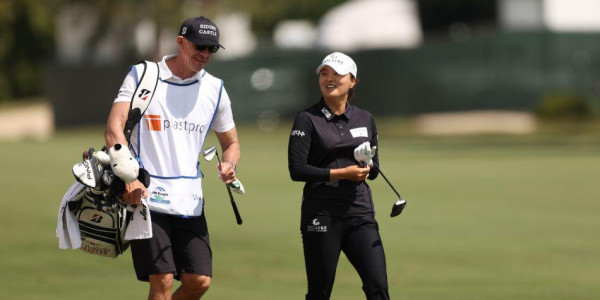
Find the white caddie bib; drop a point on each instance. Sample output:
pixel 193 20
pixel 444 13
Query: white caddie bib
pixel 170 136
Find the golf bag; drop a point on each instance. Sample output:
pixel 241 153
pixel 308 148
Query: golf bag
pixel 102 231
pixel 99 209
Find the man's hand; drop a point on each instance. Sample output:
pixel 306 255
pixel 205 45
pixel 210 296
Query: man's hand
pixel 134 192
pixel 226 172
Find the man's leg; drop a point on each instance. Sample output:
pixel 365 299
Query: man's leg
pixel 160 286
pixel 193 286
pixel 193 257
pixel 321 239
pixel 364 250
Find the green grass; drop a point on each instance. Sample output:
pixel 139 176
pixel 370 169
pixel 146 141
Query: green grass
pixel 489 217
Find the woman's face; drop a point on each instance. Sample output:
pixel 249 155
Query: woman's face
pixel 334 85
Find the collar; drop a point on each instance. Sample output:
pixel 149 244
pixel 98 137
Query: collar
pixel 326 111
pixel 167 75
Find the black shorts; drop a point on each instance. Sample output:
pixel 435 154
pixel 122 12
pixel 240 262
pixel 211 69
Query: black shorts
pixel 178 245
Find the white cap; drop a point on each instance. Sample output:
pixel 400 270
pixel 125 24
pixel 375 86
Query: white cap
pixel 340 62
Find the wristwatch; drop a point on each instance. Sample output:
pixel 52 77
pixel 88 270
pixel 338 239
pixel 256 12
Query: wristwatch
pixel 233 166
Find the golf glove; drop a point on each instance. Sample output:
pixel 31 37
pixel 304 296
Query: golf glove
pixel 364 154
pixel 237 187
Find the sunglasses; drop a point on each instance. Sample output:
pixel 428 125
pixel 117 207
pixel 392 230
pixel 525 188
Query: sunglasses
pixel 211 49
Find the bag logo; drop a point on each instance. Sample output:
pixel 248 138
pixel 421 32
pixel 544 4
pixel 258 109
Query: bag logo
pixel 96 218
pixel 144 94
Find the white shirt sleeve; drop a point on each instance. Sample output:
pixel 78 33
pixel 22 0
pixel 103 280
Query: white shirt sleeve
pixel 128 87
pixel 224 118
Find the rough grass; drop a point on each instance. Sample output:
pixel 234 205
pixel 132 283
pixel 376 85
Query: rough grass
pixel 488 217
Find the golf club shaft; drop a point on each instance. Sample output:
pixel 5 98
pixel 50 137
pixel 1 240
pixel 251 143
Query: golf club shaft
pixel 238 217
pixel 386 180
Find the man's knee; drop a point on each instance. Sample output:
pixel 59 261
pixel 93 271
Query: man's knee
pixel 161 283
pixel 197 284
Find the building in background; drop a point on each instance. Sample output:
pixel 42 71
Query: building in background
pixel 552 15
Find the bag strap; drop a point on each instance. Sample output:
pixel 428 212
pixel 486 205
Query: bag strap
pixel 142 96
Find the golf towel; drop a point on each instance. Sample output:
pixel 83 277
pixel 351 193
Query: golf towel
pixel 67 228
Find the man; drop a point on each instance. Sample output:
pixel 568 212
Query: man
pixel 187 102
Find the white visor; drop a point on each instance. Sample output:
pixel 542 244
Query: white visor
pixel 340 63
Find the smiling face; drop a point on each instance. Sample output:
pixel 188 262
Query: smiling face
pixel 333 85
pixel 193 60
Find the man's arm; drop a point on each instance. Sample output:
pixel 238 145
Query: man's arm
pixel 113 134
pixel 231 154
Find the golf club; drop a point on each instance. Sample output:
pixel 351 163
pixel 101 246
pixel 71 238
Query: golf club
pixel 209 153
pixel 400 203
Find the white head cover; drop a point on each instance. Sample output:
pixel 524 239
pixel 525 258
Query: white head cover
pixel 340 62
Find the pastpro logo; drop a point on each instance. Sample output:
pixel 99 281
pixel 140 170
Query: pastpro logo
pixel 153 122
pixel 157 123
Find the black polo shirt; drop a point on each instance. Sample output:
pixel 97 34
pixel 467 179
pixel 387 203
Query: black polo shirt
pixel 321 140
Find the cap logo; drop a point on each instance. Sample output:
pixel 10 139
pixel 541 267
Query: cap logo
pixel 208 29
pixel 183 30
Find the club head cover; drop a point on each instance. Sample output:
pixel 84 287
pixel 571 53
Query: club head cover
pixel 144 177
pixel 123 164
pixel 398 207
pixel 117 186
pixel 102 157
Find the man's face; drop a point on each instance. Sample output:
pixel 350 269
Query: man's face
pixel 195 60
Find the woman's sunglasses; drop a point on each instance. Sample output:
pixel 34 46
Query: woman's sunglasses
pixel 211 49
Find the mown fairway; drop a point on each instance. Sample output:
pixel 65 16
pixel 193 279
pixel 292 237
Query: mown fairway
pixel 487 218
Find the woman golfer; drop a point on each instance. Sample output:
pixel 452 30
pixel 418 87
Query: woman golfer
pixel 331 149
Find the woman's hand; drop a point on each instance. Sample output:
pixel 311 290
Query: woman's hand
pixel 353 173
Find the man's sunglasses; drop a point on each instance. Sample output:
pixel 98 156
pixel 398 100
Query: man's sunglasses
pixel 211 49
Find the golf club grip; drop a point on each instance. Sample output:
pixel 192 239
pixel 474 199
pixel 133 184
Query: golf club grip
pixel 238 217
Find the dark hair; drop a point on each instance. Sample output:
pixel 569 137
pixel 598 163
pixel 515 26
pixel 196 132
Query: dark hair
pixel 351 90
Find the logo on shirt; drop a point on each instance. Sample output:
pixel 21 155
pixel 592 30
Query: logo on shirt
pixel 159 194
pixel 156 123
pixel 326 112
pixel 153 122
pixel 299 133
pixel 316 226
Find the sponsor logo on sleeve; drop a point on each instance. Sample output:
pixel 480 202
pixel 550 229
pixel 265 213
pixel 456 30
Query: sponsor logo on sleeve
pixel 299 133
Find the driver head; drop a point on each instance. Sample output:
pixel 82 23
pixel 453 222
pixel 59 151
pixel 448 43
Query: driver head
pixel 398 207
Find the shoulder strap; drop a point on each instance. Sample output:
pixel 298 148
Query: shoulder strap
pixel 142 96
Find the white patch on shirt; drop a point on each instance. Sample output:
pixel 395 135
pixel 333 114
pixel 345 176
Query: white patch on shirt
pixel 359 132
pixel 296 132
